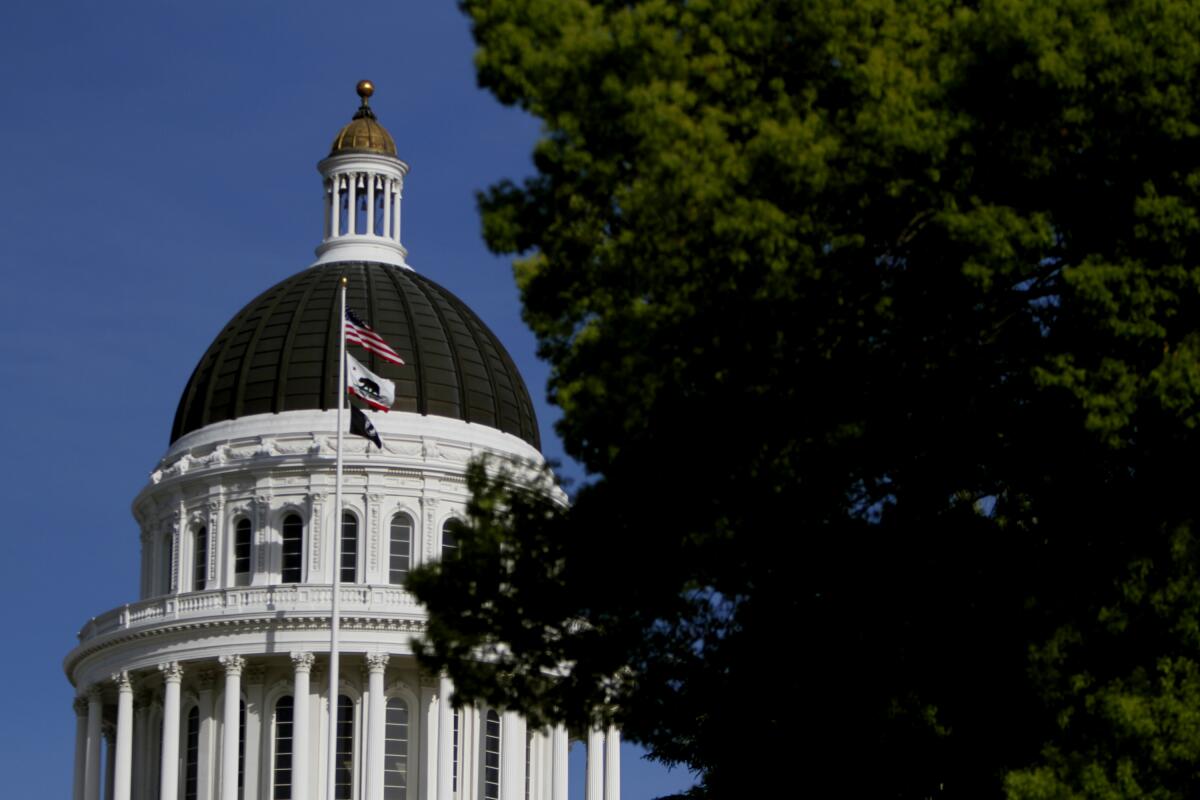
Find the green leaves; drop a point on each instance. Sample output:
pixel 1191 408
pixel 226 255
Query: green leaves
pixel 875 325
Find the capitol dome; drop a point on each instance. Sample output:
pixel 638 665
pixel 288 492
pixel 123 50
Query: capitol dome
pixel 269 654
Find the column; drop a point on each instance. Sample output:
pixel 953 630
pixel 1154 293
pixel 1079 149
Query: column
pixel 595 765
pixel 387 208
pixel 512 756
pixel 561 746
pixel 229 725
pixel 376 730
pixel 396 214
pixel 254 678
pixel 329 202
pixel 123 758
pixel 140 739
pixel 445 732
pixel 335 220
pixel 169 774
pixel 206 681
pixel 352 206
pixel 81 744
pixel 91 773
pixel 428 751
pixel 303 663
pixel 612 764
pixel 370 228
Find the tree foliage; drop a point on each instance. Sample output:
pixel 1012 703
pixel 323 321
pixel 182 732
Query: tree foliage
pixel 875 325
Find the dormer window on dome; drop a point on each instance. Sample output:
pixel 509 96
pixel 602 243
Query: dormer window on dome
pixel 364 182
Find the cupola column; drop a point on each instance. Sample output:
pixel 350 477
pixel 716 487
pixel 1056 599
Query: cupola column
pixel 92 771
pixel 335 218
pixel 303 663
pixel 396 213
pixel 370 226
pixel 352 206
pixel 387 208
pixel 230 725
pixel 169 776
pixel 123 775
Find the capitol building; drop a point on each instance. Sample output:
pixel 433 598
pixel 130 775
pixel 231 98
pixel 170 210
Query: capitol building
pixel 213 684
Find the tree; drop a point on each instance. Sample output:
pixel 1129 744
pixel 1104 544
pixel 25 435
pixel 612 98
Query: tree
pixel 874 325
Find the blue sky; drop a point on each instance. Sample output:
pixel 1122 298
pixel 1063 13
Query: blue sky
pixel 159 172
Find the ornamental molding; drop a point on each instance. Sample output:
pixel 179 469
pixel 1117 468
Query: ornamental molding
pixel 206 679
pixel 302 662
pixel 80 704
pixel 233 664
pixel 376 662
pixel 255 674
pixel 122 681
pixel 172 672
pixel 357 623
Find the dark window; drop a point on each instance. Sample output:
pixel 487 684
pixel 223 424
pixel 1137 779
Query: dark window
pixel 398 553
pixel 491 757
pixel 284 710
pixel 454 756
pixel 293 549
pixel 241 552
pixel 191 756
pixel 395 762
pixel 168 559
pixel 200 560
pixel 449 540
pixel 343 786
pixel 349 548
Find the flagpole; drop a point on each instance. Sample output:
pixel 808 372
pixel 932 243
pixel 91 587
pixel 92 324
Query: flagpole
pixel 331 767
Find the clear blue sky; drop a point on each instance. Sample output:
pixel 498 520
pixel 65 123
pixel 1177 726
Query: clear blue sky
pixel 159 172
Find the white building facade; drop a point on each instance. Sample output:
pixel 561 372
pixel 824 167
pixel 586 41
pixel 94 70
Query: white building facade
pixel 213 685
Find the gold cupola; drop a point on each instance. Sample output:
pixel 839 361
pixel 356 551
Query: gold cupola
pixel 364 134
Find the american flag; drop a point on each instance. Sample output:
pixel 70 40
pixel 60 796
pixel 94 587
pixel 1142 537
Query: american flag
pixel 359 332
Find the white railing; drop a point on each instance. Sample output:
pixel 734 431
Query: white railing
pixel 250 600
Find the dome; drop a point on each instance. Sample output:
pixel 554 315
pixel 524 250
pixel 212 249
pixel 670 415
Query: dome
pixel 364 134
pixel 279 353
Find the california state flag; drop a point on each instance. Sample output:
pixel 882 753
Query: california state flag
pixel 373 390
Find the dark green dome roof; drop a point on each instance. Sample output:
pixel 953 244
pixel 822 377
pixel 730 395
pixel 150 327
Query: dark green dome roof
pixel 280 353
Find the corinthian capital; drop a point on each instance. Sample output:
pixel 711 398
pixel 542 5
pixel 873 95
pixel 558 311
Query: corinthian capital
pixel 233 664
pixel 171 671
pixel 303 662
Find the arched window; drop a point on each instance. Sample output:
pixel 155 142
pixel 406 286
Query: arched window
pixel 293 549
pixel 200 560
pixel 491 757
pixel 449 540
pixel 395 762
pixel 241 552
pixel 343 787
pixel 398 552
pixel 284 714
pixel 349 548
pixel 191 756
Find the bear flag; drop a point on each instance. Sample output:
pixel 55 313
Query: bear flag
pixel 375 391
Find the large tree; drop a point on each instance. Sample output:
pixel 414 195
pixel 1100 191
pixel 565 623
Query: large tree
pixel 875 327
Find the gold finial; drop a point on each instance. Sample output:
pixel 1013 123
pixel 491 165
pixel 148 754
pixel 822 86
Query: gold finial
pixel 345 280
pixel 365 89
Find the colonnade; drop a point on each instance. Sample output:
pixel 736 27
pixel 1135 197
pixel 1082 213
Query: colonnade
pixel 349 185
pixel 446 756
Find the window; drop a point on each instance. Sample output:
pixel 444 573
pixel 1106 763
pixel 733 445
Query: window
pixel 395 751
pixel 449 540
pixel 398 553
pixel 168 550
pixel 293 549
pixel 241 553
pixel 528 761
pixel 349 548
pixel 191 756
pixel 491 757
pixel 284 714
pixel 200 561
pixel 454 755
pixel 343 786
